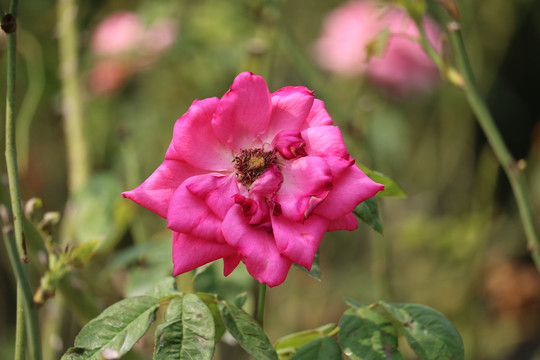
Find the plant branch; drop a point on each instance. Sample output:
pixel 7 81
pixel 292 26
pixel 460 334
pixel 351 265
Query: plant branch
pixel 513 169
pixel 26 311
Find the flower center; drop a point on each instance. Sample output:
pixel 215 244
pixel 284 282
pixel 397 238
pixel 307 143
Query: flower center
pixel 250 164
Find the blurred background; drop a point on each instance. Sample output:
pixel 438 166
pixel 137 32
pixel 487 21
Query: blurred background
pixel 455 243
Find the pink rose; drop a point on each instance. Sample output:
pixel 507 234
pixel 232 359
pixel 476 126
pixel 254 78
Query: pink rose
pixel 256 177
pixel 404 67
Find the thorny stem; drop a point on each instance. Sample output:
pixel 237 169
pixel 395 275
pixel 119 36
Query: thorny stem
pixel 15 242
pixel 259 307
pixel 513 169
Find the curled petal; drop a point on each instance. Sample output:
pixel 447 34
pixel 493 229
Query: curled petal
pixel 349 190
pixel 299 242
pixel 190 252
pixel 318 116
pixel 190 213
pixel 194 140
pixel 325 141
pixel 155 192
pixel 269 182
pixel 346 222
pixel 243 113
pixel 306 181
pixel 261 256
pixel 290 107
pixel 289 144
pixel 249 206
pixel 216 190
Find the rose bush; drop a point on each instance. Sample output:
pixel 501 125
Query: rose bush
pixel 256 177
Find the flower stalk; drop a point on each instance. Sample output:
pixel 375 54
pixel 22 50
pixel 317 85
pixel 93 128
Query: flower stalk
pixel 464 79
pixel 259 306
pixel 26 311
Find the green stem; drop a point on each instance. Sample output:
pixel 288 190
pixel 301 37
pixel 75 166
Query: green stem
pixel 15 243
pixel 20 331
pixel 259 308
pixel 78 164
pixel 512 168
pixel 30 311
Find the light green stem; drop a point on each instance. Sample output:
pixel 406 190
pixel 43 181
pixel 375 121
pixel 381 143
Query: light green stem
pixel 510 166
pixel 77 152
pixel 259 308
pixel 15 243
pixel 20 332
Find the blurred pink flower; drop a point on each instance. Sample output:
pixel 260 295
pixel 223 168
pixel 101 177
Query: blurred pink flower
pixel 256 177
pixel 124 46
pixel 118 33
pixel 402 69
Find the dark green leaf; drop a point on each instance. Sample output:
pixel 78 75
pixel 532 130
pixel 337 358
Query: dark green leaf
pixel 315 268
pixel 391 188
pixel 428 332
pixel 211 301
pixel 188 331
pixel 301 338
pixel 368 212
pixel 247 332
pixel 117 327
pixel 324 348
pixel 367 335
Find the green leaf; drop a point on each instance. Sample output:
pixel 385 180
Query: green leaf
pixel 247 332
pixel 352 303
pixel 82 253
pixel 188 331
pixel 240 299
pixel 368 212
pixel 211 301
pixel 367 335
pixel 299 339
pixel 97 212
pixel 428 332
pixel 324 348
pixel 118 327
pixel 315 271
pixel 391 188
pixel 165 287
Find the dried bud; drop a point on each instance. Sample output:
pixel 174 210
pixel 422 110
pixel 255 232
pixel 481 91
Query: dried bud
pixel 9 24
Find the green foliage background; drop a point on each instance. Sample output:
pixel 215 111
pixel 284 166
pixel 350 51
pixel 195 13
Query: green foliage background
pixel 441 244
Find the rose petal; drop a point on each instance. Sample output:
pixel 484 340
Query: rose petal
pixel 243 112
pixel 290 107
pixel 349 190
pixel 268 183
pixel 299 242
pixel 289 144
pixel 261 256
pixel 306 181
pixel 230 263
pixel 318 116
pixel 195 142
pixel 325 141
pixel 155 192
pixel 217 191
pixel 346 222
pixel 190 252
pixel 190 214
